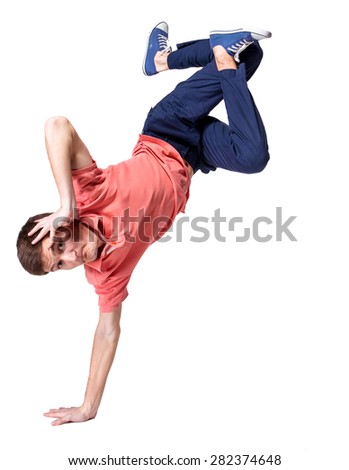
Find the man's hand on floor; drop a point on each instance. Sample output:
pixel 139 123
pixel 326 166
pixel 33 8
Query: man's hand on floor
pixel 68 415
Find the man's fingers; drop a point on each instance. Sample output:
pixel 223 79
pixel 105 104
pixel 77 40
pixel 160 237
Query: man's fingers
pixel 57 412
pixel 34 230
pixel 67 415
pixel 49 224
pixel 36 240
pixel 58 422
pixel 43 231
pixel 39 237
pixel 37 227
pixel 51 414
pixel 62 416
pixel 54 413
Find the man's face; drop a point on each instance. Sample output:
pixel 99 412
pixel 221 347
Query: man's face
pixel 72 251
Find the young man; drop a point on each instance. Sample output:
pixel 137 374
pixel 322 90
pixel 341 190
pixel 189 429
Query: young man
pixel 108 218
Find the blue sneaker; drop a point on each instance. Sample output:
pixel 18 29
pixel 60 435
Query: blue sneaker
pixel 236 40
pixel 157 41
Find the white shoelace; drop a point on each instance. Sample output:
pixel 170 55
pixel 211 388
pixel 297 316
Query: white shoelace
pixel 238 47
pixel 164 44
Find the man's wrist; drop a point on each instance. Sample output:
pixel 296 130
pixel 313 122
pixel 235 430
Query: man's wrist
pixel 89 409
pixel 68 206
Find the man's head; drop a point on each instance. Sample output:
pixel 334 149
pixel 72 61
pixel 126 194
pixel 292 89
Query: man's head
pixel 30 255
pixel 72 247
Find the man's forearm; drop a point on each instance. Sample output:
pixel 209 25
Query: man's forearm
pixel 66 152
pixel 59 146
pixel 103 353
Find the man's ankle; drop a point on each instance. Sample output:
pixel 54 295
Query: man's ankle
pixel 223 59
pixel 160 61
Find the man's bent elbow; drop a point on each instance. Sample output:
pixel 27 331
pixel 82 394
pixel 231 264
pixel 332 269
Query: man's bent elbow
pixel 55 123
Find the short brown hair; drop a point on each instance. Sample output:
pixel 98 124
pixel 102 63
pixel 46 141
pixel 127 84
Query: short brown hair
pixel 30 255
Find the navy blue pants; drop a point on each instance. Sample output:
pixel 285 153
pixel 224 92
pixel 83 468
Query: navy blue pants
pixel 182 117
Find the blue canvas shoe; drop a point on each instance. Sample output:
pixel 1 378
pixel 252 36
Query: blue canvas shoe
pixel 236 40
pixel 157 41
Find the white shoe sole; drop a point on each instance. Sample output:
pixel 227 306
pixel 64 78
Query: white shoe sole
pixel 261 32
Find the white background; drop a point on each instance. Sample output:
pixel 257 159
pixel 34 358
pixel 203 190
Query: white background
pixel 226 348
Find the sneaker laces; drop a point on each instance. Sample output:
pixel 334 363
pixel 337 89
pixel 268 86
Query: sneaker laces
pixel 164 44
pixel 238 47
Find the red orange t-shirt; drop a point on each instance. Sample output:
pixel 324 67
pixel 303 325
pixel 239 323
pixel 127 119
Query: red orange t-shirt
pixel 131 205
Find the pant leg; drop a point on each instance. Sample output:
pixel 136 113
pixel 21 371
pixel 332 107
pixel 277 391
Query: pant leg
pixel 174 118
pixel 181 117
pixel 242 144
pixel 191 54
pixel 199 53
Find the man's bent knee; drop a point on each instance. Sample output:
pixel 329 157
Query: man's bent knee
pixel 255 163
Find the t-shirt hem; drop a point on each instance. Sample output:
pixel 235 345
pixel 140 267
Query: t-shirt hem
pixel 110 307
pixel 169 148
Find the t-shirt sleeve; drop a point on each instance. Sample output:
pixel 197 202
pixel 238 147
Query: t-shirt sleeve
pixel 111 294
pixel 89 184
pixel 111 291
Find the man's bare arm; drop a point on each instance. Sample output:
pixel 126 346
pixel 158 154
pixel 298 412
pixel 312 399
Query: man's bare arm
pixel 103 352
pixel 65 151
